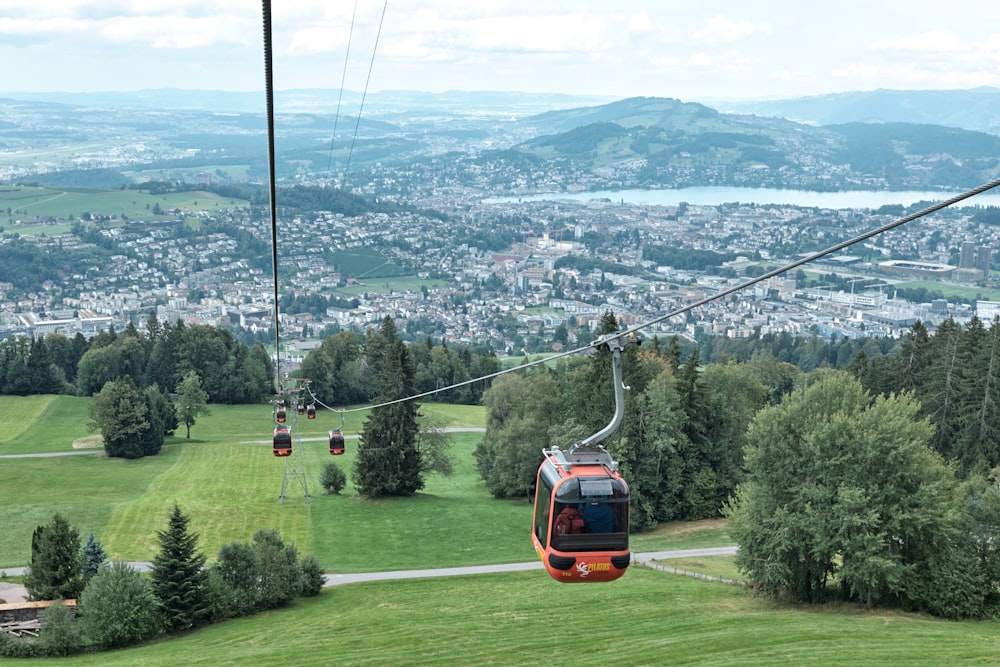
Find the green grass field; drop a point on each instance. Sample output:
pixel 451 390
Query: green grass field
pixel 27 203
pixel 227 481
pixel 645 618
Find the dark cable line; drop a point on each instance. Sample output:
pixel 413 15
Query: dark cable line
pixel 269 90
pixel 343 79
pixel 364 93
pixel 724 293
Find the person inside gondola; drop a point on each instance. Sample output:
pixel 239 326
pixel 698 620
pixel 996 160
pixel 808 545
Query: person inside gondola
pixel 569 521
pixel 599 516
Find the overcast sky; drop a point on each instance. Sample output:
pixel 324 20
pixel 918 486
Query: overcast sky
pixel 694 50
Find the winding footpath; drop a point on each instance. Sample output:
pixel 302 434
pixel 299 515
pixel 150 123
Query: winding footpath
pixel 11 592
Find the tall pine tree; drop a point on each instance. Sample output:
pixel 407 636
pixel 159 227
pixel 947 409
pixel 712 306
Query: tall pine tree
pixel 389 462
pixel 179 580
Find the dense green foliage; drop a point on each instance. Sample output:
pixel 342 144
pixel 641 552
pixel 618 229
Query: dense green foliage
pixel 688 259
pixel 56 570
pixel 680 442
pixel 332 479
pixel 345 369
pixel 844 494
pixel 264 574
pixel 128 427
pixel 26 265
pixel 178 578
pixel 118 608
pixel 955 377
pixel 389 461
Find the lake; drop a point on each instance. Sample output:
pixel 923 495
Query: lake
pixel 713 196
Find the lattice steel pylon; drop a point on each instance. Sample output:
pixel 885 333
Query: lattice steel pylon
pixel 294 471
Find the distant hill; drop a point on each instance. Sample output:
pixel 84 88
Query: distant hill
pixel 975 109
pixel 321 100
pixel 663 141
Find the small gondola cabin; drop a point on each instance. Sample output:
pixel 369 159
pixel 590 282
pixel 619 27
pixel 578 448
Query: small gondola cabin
pixel 581 517
pixel 279 415
pixel 336 443
pixel 282 442
pixel 301 409
pixel 311 411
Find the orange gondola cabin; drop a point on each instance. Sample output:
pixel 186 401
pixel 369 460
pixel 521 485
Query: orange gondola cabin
pixel 282 442
pixel 336 443
pixel 581 516
pixel 311 411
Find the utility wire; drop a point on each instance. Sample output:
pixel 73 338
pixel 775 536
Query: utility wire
pixel 269 89
pixel 364 93
pixel 680 311
pixel 343 79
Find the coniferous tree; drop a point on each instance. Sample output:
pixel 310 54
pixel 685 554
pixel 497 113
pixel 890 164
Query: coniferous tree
pixel 178 577
pixel 389 463
pixel 940 385
pixel 93 557
pixel 977 441
pixel 56 569
pixel 45 376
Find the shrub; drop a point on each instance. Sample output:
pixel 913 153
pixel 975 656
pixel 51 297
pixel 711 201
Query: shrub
pixel 59 634
pixel 313 579
pixel 333 479
pixel 118 608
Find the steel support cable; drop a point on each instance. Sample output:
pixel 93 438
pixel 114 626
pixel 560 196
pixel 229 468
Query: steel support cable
pixel 269 90
pixel 343 79
pixel 364 93
pixel 715 297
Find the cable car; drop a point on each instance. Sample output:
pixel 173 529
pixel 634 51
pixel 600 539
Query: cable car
pixel 311 411
pixel 336 443
pixel 301 409
pixel 581 515
pixel 282 442
pixel 279 415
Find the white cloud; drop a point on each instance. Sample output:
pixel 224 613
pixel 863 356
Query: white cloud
pixel 720 30
pixel 936 41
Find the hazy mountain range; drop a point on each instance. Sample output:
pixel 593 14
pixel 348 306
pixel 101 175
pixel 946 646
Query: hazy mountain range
pixel 975 109
pixel 880 140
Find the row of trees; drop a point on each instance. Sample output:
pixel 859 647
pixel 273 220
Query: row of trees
pixel 344 370
pixel 230 371
pixel 117 606
pixel 347 367
pixel 832 491
pixel 679 445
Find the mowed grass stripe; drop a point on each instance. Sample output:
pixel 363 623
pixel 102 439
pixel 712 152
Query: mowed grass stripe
pixel 228 491
pixel 84 489
pixel 645 618
pixel 17 415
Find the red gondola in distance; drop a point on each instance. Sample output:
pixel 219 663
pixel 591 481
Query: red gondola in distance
pixel 336 443
pixel 281 443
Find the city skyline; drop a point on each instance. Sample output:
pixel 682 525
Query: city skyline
pixel 716 50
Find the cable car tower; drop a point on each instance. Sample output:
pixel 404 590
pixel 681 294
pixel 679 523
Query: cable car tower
pixel 293 392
